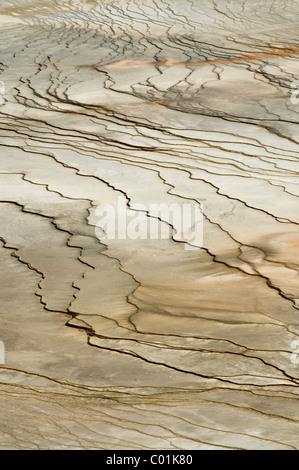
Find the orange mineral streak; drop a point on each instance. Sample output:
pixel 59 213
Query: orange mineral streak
pixel 251 57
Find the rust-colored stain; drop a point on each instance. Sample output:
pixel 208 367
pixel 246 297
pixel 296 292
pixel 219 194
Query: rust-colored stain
pixel 250 57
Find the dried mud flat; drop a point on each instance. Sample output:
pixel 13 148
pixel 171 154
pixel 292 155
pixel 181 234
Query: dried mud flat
pixel 141 344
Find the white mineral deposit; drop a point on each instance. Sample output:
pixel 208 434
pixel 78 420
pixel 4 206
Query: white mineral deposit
pixel 149 224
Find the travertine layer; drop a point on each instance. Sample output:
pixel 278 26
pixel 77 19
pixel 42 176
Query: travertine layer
pixel 141 343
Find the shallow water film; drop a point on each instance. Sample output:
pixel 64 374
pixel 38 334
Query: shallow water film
pixel 149 235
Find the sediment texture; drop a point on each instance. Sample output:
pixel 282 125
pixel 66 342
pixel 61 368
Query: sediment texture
pixel 142 344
